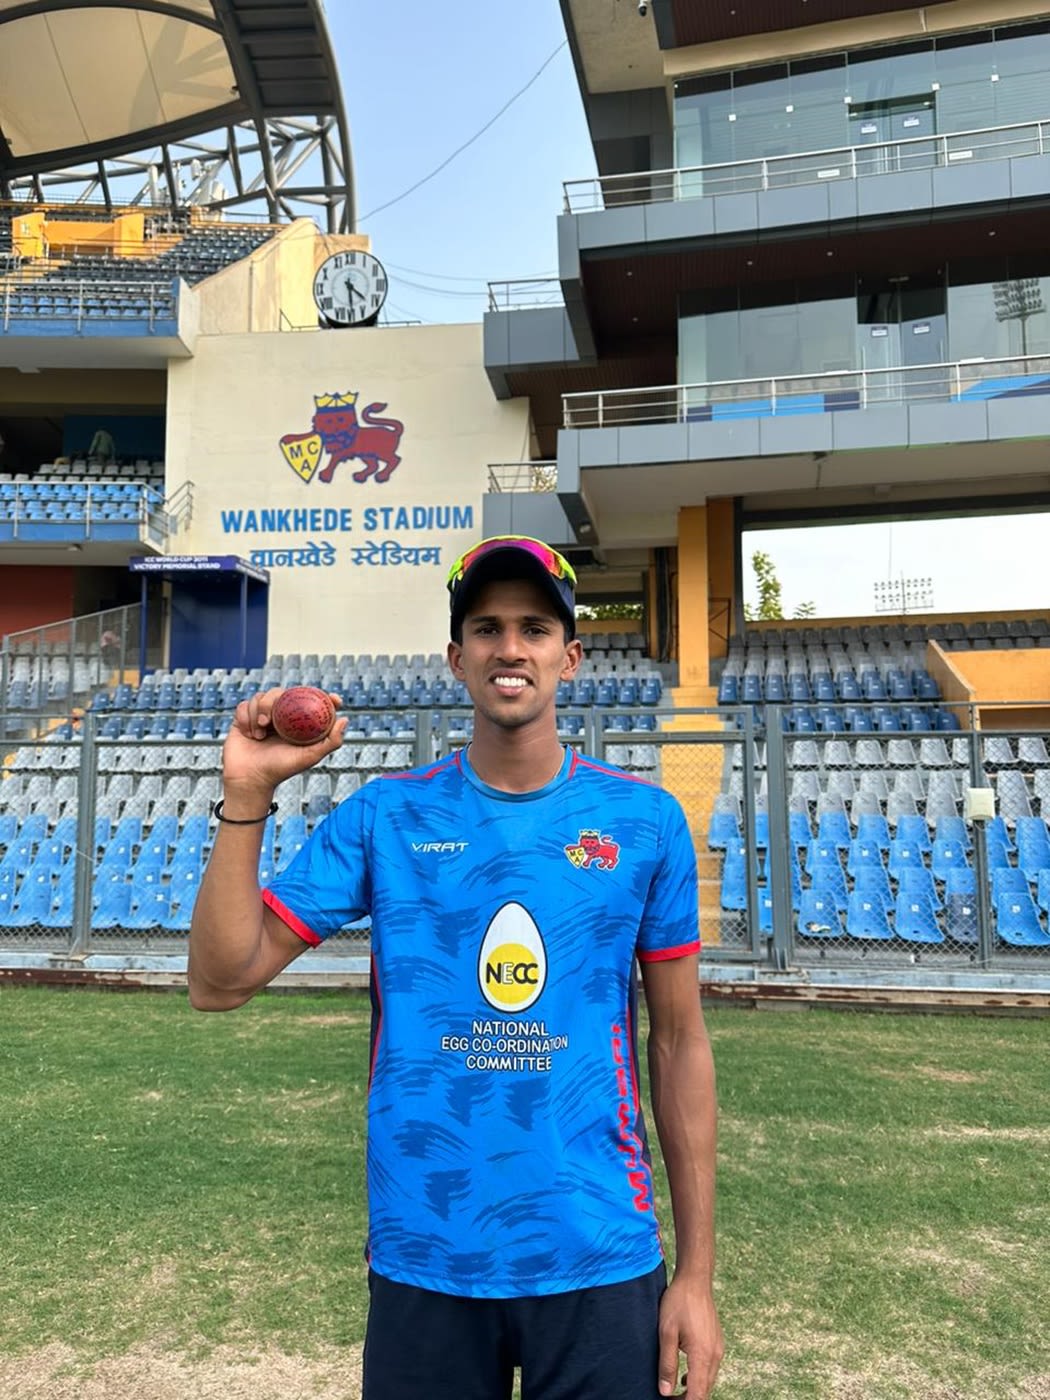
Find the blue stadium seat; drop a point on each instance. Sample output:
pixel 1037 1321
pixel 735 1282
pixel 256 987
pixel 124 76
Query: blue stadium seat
pixel 734 878
pixel 904 855
pixel 960 918
pixel 818 916
pixel 914 831
pixel 996 829
pixel 723 829
pixel 862 853
pixel 821 853
pixel 799 828
pixel 1007 879
pixel 946 856
pixel 953 829
pixel 834 828
pixel 830 882
pixel 873 880
pixel 32 904
pixel 33 827
pixel 915 920
pixel 960 881
pixel 866 916
pixel 1018 922
pixel 918 881
pixel 874 828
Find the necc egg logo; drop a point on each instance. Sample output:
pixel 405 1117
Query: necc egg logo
pixel 512 964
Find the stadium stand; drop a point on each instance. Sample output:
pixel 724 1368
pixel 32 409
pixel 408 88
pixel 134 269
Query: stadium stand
pixel 879 850
pixel 159 758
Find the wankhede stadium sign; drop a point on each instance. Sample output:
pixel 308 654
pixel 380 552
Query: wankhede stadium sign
pixel 372 442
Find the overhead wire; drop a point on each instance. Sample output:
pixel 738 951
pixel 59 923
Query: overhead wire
pixel 440 291
pixel 449 277
pixel 469 142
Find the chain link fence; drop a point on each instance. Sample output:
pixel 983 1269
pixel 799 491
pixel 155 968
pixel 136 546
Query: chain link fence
pixel 844 851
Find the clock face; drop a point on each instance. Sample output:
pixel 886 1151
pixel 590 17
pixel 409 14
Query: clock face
pixel 350 288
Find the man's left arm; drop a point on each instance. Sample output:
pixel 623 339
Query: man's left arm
pixel 682 1083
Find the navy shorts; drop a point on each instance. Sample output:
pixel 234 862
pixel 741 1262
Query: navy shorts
pixel 590 1344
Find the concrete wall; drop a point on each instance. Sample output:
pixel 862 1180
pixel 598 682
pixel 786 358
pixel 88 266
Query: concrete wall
pixel 228 410
pixel 270 289
pixel 997 675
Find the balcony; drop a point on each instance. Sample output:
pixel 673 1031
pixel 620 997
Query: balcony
pixel 924 153
pixel 523 476
pixel 964 381
pixel 816 442
pixel 523 499
pixel 525 293
pixel 79 514
pixel 89 306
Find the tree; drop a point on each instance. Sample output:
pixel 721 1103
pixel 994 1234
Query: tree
pixel 610 612
pixel 770 598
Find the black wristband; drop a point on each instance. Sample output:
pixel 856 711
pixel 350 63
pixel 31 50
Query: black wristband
pixel 216 812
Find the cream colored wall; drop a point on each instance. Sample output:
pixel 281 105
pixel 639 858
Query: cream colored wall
pixel 271 287
pixel 228 409
pixel 1005 675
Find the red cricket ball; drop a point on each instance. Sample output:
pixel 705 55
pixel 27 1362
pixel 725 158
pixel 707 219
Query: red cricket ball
pixel 302 714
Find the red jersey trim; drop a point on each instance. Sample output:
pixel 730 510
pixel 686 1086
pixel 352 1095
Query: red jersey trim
pixel 665 954
pixel 609 772
pixel 422 777
pixel 294 923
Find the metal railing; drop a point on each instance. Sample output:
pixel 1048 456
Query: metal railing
pixel 523 476
pixel 26 510
pixel 828 855
pixel 791 395
pixel 26 298
pixel 807 167
pixel 525 293
pixel 45 671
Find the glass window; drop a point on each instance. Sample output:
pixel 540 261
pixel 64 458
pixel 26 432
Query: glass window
pixel 818 93
pixel 1022 60
pixel 976 80
pixel 963 65
pixel 880 75
pixel 761 97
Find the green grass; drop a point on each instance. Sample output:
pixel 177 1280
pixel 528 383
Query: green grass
pixel 184 1182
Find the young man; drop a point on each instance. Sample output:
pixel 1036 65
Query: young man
pixel 511 887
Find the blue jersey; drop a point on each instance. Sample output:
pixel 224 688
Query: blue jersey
pixel 507 1153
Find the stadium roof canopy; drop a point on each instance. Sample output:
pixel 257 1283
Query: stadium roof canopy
pixel 225 104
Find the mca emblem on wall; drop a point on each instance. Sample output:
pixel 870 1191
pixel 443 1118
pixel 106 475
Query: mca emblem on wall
pixel 337 431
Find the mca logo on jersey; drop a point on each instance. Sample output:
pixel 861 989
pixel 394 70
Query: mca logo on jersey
pixel 594 849
pixel 512 964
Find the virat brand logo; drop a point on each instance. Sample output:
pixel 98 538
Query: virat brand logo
pixel 512 963
pixel 593 849
pixel 338 431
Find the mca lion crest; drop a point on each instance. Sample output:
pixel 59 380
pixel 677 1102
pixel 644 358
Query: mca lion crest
pixel 594 849
pixel 339 432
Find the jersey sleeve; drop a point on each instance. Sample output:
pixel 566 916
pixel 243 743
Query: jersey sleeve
pixel 670 923
pixel 328 884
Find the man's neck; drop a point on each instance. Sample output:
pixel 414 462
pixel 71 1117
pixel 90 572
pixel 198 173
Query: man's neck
pixel 515 760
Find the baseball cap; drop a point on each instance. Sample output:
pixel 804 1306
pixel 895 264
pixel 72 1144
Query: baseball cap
pixel 507 557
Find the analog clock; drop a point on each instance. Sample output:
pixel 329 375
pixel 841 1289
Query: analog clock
pixel 350 288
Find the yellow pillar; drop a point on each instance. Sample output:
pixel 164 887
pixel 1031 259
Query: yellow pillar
pixel 694 652
pixel 721 575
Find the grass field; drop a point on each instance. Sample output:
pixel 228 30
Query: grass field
pixel 181 1204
